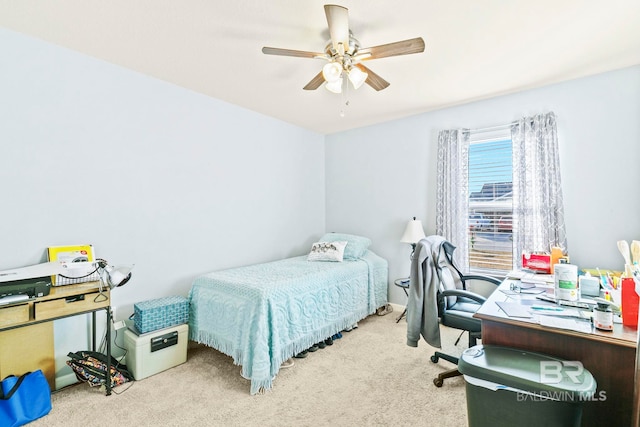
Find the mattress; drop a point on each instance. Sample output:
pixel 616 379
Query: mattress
pixel 263 314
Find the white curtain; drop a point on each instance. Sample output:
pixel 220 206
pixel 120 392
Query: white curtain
pixel 452 198
pixel 538 211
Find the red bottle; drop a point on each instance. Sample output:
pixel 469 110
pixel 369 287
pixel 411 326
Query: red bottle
pixel 629 302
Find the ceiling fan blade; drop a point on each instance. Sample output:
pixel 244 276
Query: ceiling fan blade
pixel 338 20
pixel 290 52
pixel 315 82
pixel 404 47
pixel 373 80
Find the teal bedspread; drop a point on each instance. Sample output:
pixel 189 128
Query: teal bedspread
pixel 263 314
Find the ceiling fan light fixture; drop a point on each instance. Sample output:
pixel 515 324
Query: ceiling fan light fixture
pixel 332 71
pixel 334 86
pixel 343 51
pixel 357 77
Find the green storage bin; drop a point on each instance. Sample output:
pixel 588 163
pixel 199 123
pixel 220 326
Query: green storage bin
pixel 511 387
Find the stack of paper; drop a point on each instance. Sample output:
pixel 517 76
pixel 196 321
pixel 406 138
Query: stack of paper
pixel 528 277
pixel 565 323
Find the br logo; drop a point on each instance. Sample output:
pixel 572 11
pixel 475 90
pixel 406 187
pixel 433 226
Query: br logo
pixel 551 372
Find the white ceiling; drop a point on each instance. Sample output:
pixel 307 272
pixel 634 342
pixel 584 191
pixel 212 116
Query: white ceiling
pixel 475 49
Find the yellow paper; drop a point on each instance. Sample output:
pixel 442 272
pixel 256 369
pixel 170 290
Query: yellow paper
pixel 72 254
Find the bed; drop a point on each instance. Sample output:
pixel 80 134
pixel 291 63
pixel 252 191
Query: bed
pixel 263 314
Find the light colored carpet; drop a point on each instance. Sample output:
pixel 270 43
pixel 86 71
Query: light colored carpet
pixel 370 377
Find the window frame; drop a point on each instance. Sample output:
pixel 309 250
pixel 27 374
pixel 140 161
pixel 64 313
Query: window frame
pixel 487 231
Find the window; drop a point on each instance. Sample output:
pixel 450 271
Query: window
pixel 499 192
pixel 490 175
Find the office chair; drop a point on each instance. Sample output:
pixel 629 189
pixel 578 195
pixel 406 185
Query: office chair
pixel 456 306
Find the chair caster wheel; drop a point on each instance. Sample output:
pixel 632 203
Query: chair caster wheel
pixel 438 382
pixel 435 359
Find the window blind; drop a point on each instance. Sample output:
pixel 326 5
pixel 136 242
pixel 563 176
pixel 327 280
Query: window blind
pixel 490 202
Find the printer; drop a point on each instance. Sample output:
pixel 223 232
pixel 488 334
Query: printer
pixel 23 283
pixel 19 290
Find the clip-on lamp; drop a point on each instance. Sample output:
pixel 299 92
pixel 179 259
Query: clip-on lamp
pixel 112 276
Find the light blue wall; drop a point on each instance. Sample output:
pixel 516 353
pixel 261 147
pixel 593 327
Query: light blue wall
pixel 149 173
pixel 380 176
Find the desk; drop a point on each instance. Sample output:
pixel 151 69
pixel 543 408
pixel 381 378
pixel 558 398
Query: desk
pixel 26 327
pixel 609 356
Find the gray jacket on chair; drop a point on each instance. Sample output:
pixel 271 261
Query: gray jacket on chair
pixel 422 305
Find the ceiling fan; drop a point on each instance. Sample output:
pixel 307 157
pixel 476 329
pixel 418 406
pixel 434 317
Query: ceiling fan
pixel 345 56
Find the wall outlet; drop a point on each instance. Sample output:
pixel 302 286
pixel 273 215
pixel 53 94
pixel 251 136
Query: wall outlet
pixel 119 325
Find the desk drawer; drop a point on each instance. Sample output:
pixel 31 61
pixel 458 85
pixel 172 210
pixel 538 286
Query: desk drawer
pixel 14 315
pixel 70 305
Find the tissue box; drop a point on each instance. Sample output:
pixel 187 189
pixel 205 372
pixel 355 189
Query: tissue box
pixel 160 313
pixel 540 263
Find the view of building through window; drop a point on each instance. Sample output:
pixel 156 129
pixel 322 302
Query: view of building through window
pixel 490 205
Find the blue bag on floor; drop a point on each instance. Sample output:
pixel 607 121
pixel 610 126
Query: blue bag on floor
pixel 24 399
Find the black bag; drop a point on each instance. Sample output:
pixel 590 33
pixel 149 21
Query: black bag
pixel 24 399
pixel 91 367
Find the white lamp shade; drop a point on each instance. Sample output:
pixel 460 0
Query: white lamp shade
pixel 357 77
pixel 118 276
pixel 332 71
pixel 414 232
pixel 334 86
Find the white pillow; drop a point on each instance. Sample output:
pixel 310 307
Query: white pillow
pixel 327 251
